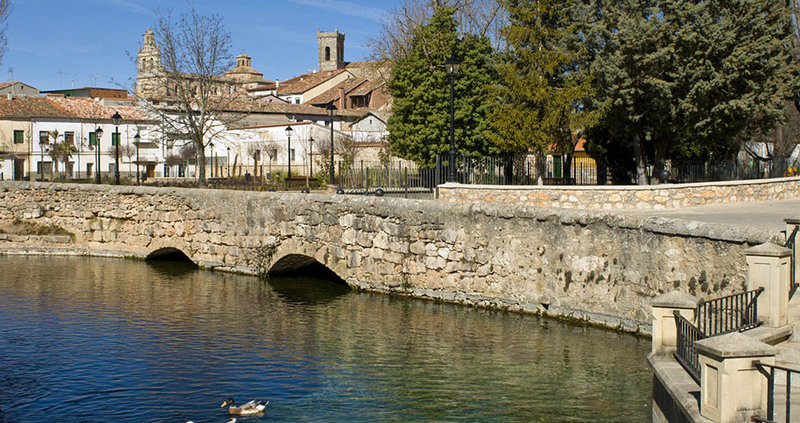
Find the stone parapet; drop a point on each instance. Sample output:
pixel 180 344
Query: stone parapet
pixel 597 267
pixel 606 197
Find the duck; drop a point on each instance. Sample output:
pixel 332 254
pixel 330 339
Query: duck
pixel 249 409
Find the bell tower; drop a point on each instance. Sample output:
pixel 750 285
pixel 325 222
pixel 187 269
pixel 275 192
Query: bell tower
pixel 150 77
pixel 331 50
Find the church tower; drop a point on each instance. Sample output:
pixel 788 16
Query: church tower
pixel 150 78
pixel 331 50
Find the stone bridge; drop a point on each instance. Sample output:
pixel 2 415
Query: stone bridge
pixel 594 266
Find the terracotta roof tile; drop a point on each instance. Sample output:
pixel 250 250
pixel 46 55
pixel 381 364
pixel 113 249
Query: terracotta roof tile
pixel 303 83
pixel 66 108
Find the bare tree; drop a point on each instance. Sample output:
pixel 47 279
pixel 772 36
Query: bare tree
pixel 198 103
pixel 254 150
pixel 5 10
pixel 480 17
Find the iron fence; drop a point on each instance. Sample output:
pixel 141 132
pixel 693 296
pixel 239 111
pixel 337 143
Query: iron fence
pixel 727 314
pixel 791 243
pixel 686 352
pixel 769 370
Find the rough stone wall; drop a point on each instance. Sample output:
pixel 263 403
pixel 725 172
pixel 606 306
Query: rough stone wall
pixel 600 197
pixel 593 266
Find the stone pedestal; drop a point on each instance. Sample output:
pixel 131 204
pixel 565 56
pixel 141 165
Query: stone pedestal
pixel 731 388
pixel 665 333
pixel 768 268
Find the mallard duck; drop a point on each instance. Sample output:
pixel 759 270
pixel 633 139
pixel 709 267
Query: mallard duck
pixel 252 407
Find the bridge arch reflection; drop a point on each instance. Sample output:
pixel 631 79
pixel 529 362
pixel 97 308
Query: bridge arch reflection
pixel 300 265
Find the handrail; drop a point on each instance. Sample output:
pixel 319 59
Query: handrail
pixel 791 238
pixel 686 353
pixel 737 312
pixel 768 370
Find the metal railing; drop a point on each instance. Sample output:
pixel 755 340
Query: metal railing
pixel 686 352
pixel 727 314
pixel 769 370
pixel 791 244
pixel 715 317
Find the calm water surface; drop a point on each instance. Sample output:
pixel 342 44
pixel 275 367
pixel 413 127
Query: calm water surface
pixel 96 340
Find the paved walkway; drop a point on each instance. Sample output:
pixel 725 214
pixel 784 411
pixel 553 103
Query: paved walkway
pixel 766 214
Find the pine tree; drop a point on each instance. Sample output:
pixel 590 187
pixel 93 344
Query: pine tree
pixel 544 80
pixel 420 121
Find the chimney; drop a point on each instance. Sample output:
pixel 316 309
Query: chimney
pixel 342 99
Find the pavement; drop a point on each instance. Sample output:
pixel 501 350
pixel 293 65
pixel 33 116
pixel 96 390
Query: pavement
pixel 764 214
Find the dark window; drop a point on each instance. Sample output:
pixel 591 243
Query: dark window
pixel 114 138
pixel 327 53
pixel 69 138
pixel 92 138
pixel 19 137
pixel 44 137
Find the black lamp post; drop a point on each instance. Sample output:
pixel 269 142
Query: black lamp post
pixel 99 133
pixel 289 131
pixel 228 162
pixel 116 118
pixel 136 139
pixel 331 110
pixel 311 156
pixel 211 157
pixel 452 67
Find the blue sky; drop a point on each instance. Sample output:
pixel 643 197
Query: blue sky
pixel 63 43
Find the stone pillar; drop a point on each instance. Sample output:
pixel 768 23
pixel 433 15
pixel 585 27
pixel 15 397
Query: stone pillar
pixel 768 268
pixel 731 387
pixel 791 224
pixel 665 333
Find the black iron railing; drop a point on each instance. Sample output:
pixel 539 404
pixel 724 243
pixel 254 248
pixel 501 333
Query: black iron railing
pixel 732 313
pixel 686 353
pixel 792 245
pixel 770 370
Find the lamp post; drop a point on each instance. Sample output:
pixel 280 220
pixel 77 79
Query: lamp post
pixel 289 131
pixel 311 156
pixel 211 157
pixel 116 118
pixel 136 139
pixel 228 162
pixel 99 135
pixel 451 66
pixel 331 110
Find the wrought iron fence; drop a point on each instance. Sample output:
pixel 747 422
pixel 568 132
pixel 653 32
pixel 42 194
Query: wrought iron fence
pixel 769 370
pixel 686 352
pixel 727 314
pixel 398 176
pixel 791 243
pixel 728 170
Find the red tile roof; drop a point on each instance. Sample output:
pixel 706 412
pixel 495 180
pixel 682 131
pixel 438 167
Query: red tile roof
pixel 303 83
pixel 66 108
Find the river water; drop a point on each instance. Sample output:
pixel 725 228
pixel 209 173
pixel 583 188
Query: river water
pixel 104 340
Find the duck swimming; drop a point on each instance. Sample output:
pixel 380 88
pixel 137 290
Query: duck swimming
pixel 249 409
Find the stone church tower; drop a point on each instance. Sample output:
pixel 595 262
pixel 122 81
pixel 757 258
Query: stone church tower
pixel 150 80
pixel 331 50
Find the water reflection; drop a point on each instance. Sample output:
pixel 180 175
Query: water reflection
pixel 79 334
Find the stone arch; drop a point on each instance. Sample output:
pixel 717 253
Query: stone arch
pixel 169 254
pixel 303 266
pixel 327 53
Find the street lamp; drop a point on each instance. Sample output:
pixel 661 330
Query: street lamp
pixel 451 66
pixel 331 110
pixel 99 134
pixel 311 156
pixel 289 131
pixel 116 118
pixel 228 162
pixel 211 157
pixel 136 139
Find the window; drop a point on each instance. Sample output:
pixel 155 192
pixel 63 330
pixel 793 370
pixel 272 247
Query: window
pixel 69 138
pixel 19 137
pixel 92 138
pixel 44 137
pixel 327 53
pixel 297 100
pixel 291 155
pixel 114 138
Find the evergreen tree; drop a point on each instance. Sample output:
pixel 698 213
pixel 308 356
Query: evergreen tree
pixel 686 78
pixel 420 121
pixel 544 80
